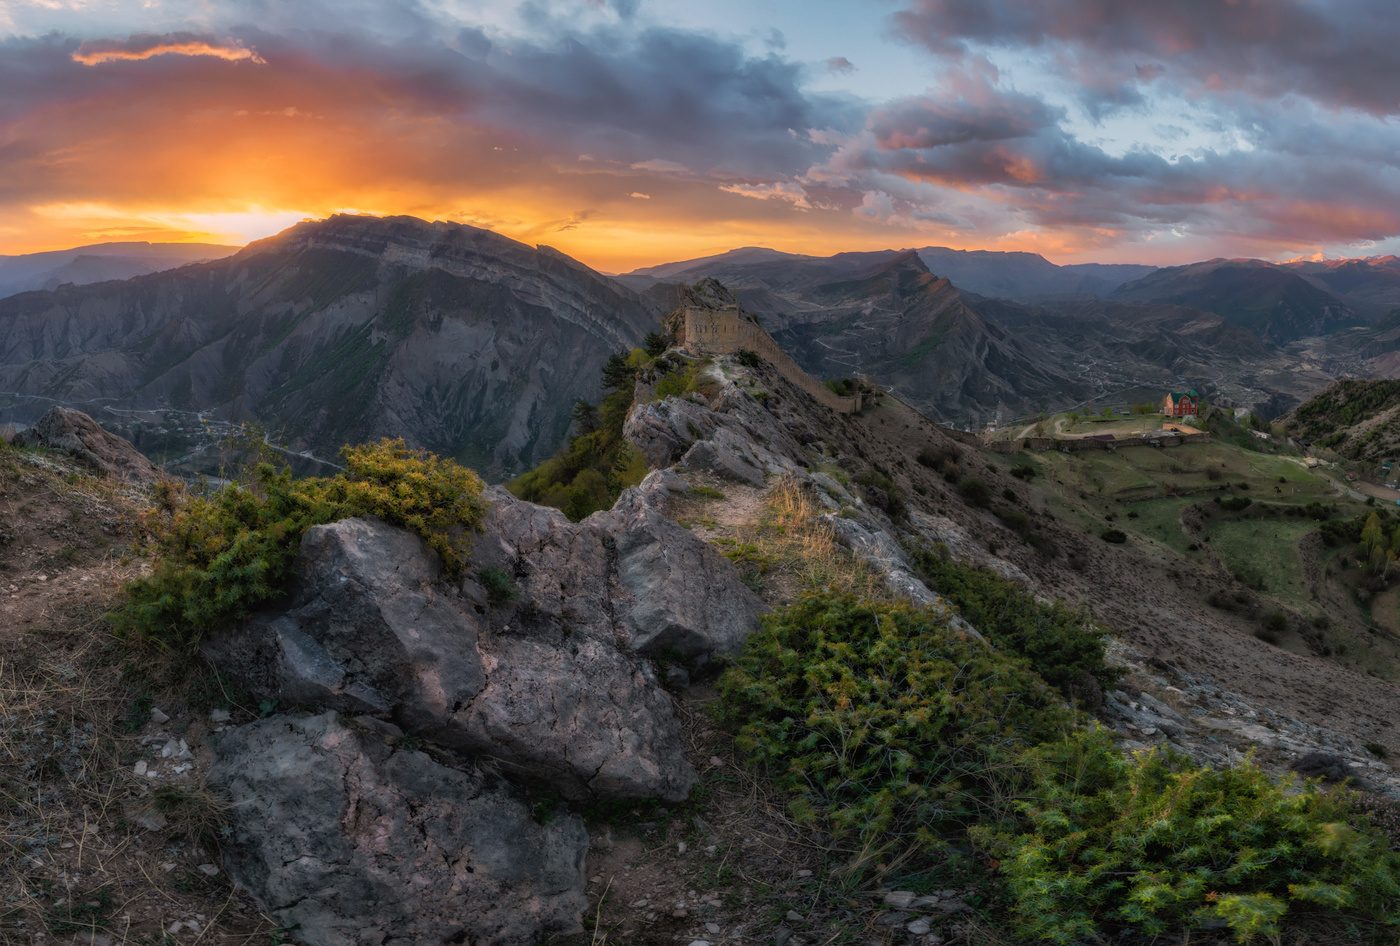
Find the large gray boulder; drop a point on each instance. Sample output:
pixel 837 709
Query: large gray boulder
pixel 628 575
pixel 73 432
pixel 682 595
pixel 356 844
pixel 663 430
pixel 541 686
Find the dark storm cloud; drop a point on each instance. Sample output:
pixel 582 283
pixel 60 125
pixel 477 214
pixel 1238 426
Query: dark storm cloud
pixel 623 97
pixel 671 95
pixel 931 121
pixel 1344 54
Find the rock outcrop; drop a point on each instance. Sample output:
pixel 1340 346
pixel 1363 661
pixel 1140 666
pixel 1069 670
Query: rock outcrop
pixel 354 843
pixel 74 432
pixel 552 685
pixel 682 595
pixel 368 629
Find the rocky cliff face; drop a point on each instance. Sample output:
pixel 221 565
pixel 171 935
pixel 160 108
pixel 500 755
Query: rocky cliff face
pixel 337 331
pixel 913 332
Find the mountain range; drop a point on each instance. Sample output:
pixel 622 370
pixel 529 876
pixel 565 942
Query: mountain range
pixel 477 346
pixel 336 331
pixel 967 358
pixel 100 262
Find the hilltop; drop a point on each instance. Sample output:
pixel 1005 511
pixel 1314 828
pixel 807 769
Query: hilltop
pixel 1356 419
pixel 100 262
pixel 1276 303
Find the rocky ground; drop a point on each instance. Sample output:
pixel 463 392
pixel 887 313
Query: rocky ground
pixel 105 819
pixel 486 715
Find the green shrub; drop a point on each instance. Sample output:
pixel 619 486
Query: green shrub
pixel 975 491
pixel 1236 503
pixel 655 344
pixel 888 725
pixel 1116 536
pixel 218 557
pixel 499 587
pixel 676 383
pixel 1061 643
pixel 883 493
pixel 1153 841
pixel 749 359
pixel 1014 520
pixel 590 471
pixel 938 458
pixel 1023 471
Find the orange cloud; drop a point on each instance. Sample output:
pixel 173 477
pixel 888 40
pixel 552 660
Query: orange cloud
pixel 148 45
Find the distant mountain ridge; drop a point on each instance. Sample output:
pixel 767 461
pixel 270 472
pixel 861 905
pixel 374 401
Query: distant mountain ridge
pixel 342 330
pixel 100 262
pixel 1275 302
pixel 1023 277
pixel 1027 277
pixel 965 358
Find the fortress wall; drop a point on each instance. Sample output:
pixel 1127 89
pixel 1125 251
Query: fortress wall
pixel 724 333
pixel 1076 445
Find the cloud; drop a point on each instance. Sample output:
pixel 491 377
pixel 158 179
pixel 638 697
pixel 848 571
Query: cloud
pixel 880 206
pixel 660 166
pixel 141 46
pixel 789 191
pixel 1338 54
pixel 968 108
pixel 1078 123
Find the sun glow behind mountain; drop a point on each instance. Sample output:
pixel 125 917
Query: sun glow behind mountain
pixel 630 132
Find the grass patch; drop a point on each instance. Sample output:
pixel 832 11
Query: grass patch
pixel 802 549
pixel 1159 521
pixel 1265 551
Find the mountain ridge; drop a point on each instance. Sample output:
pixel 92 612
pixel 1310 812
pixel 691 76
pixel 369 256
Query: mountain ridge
pixel 99 262
pixel 456 338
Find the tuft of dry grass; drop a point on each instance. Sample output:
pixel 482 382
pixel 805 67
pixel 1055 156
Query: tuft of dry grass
pixel 801 547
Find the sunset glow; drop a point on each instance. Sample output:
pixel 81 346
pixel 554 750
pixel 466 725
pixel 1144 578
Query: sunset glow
pixel 629 133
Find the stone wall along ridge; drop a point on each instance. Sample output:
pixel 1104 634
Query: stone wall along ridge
pixel 724 332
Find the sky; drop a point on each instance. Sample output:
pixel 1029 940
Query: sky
pixel 633 132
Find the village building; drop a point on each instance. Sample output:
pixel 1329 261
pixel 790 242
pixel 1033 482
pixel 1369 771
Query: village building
pixel 1181 404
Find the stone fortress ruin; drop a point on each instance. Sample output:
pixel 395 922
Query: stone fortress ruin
pixel 726 329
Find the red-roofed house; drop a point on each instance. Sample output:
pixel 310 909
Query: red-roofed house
pixel 1181 404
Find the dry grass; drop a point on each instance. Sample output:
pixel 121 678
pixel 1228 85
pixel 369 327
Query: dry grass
pixel 801 551
pixel 75 858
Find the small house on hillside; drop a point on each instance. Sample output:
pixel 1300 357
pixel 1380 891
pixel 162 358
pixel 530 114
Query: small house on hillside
pixel 1181 404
